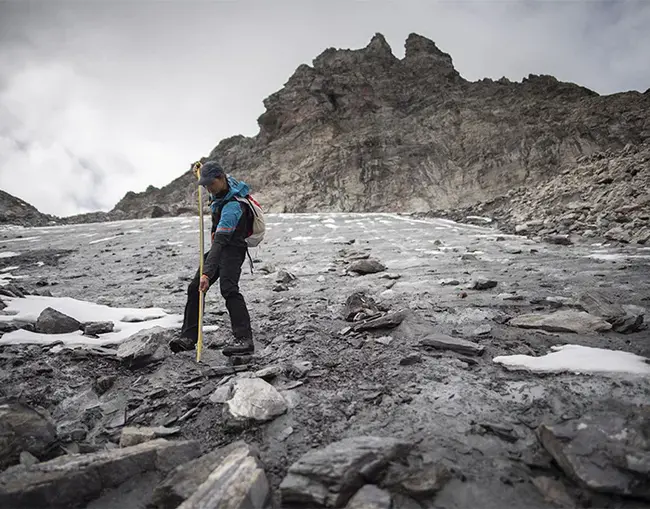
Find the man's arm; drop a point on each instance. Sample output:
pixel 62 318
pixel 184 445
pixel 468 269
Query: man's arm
pixel 230 216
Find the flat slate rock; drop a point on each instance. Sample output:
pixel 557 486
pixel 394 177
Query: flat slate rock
pixel 607 451
pixel 444 342
pixel 569 320
pixel 388 321
pixel 330 476
pixel 598 304
pixel 370 497
pixel 72 480
pixel 183 481
pixel 237 482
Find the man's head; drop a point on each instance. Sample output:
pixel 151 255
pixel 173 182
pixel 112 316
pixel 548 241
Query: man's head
pixel 213 178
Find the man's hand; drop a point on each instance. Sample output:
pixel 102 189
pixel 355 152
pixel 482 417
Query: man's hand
pixel 204 283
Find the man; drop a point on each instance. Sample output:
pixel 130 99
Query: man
pixel 231 223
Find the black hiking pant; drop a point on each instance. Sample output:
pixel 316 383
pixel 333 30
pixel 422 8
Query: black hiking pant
pixel 230 266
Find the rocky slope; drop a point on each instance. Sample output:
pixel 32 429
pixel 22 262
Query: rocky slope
pixel 15 211
pixel 361 130
pixel 605 194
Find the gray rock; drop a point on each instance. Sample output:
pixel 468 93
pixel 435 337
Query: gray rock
pixel 330 476
pixel 237 482
pixel 370 497
pixel 553 491
pixel 96 328
pixel 388 321
pixel 284 277
pixel 223 393
pixel 358 303
pixel 184 480
pixel 23 429
pixel 28 459
pixel 416 481
pixel 560 240
pixel 607 452
pixel 618 234
pixel 132 435
pixel 51 321
pixel 483 330
pixel 104 383
pixel 270 372
pixel 483 284
pixel 449 282
pixel 72 480
pixel 255 399
pixel 301 368
pixel 409 360
pixel 145 347
pixel 570 320
pixel 598 304
pixel 369 266
pixel 444 342
pixel 631 321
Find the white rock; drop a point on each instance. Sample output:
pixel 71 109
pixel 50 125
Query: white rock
pixel 256 399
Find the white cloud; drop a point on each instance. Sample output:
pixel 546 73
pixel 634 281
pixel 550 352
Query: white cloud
pixel 99 98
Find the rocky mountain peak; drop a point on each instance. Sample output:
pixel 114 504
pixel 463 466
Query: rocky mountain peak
pixel 417 46
pixel 379 47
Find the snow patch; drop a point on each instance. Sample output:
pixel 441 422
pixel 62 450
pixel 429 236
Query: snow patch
pixel 103 240
pixel 616 256
pixel 480 218
pixel 578 359
pixel 18 239
pixel 128 321
pixel 13 267
pixel 8 254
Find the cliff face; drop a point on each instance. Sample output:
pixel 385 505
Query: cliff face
pixel 361 130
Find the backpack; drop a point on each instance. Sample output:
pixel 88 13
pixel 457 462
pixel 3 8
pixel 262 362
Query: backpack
pixel 256 234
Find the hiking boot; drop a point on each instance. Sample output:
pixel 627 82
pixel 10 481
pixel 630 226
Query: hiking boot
pixel 241 346
pixel 181 344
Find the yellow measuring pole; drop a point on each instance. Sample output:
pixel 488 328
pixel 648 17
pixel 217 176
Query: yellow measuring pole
pixel 199 343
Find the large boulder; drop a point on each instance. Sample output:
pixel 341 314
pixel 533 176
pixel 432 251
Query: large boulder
pixel 182 482
pixel 569 320
pixel 237 482
pixel 74 479
pixel 329 477
pixel 605 451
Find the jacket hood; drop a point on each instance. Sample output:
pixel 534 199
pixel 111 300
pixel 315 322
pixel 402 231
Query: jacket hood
pixel 236 188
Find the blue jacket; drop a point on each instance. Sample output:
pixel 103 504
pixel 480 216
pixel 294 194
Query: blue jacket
pixel 231 224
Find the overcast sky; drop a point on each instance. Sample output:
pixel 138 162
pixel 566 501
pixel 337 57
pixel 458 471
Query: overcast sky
pixel 101 97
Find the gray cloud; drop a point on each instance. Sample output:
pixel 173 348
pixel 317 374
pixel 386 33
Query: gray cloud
pixel 98 98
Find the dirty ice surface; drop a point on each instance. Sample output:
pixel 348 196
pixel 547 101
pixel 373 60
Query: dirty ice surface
pixel 127 321
pixel 578 359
